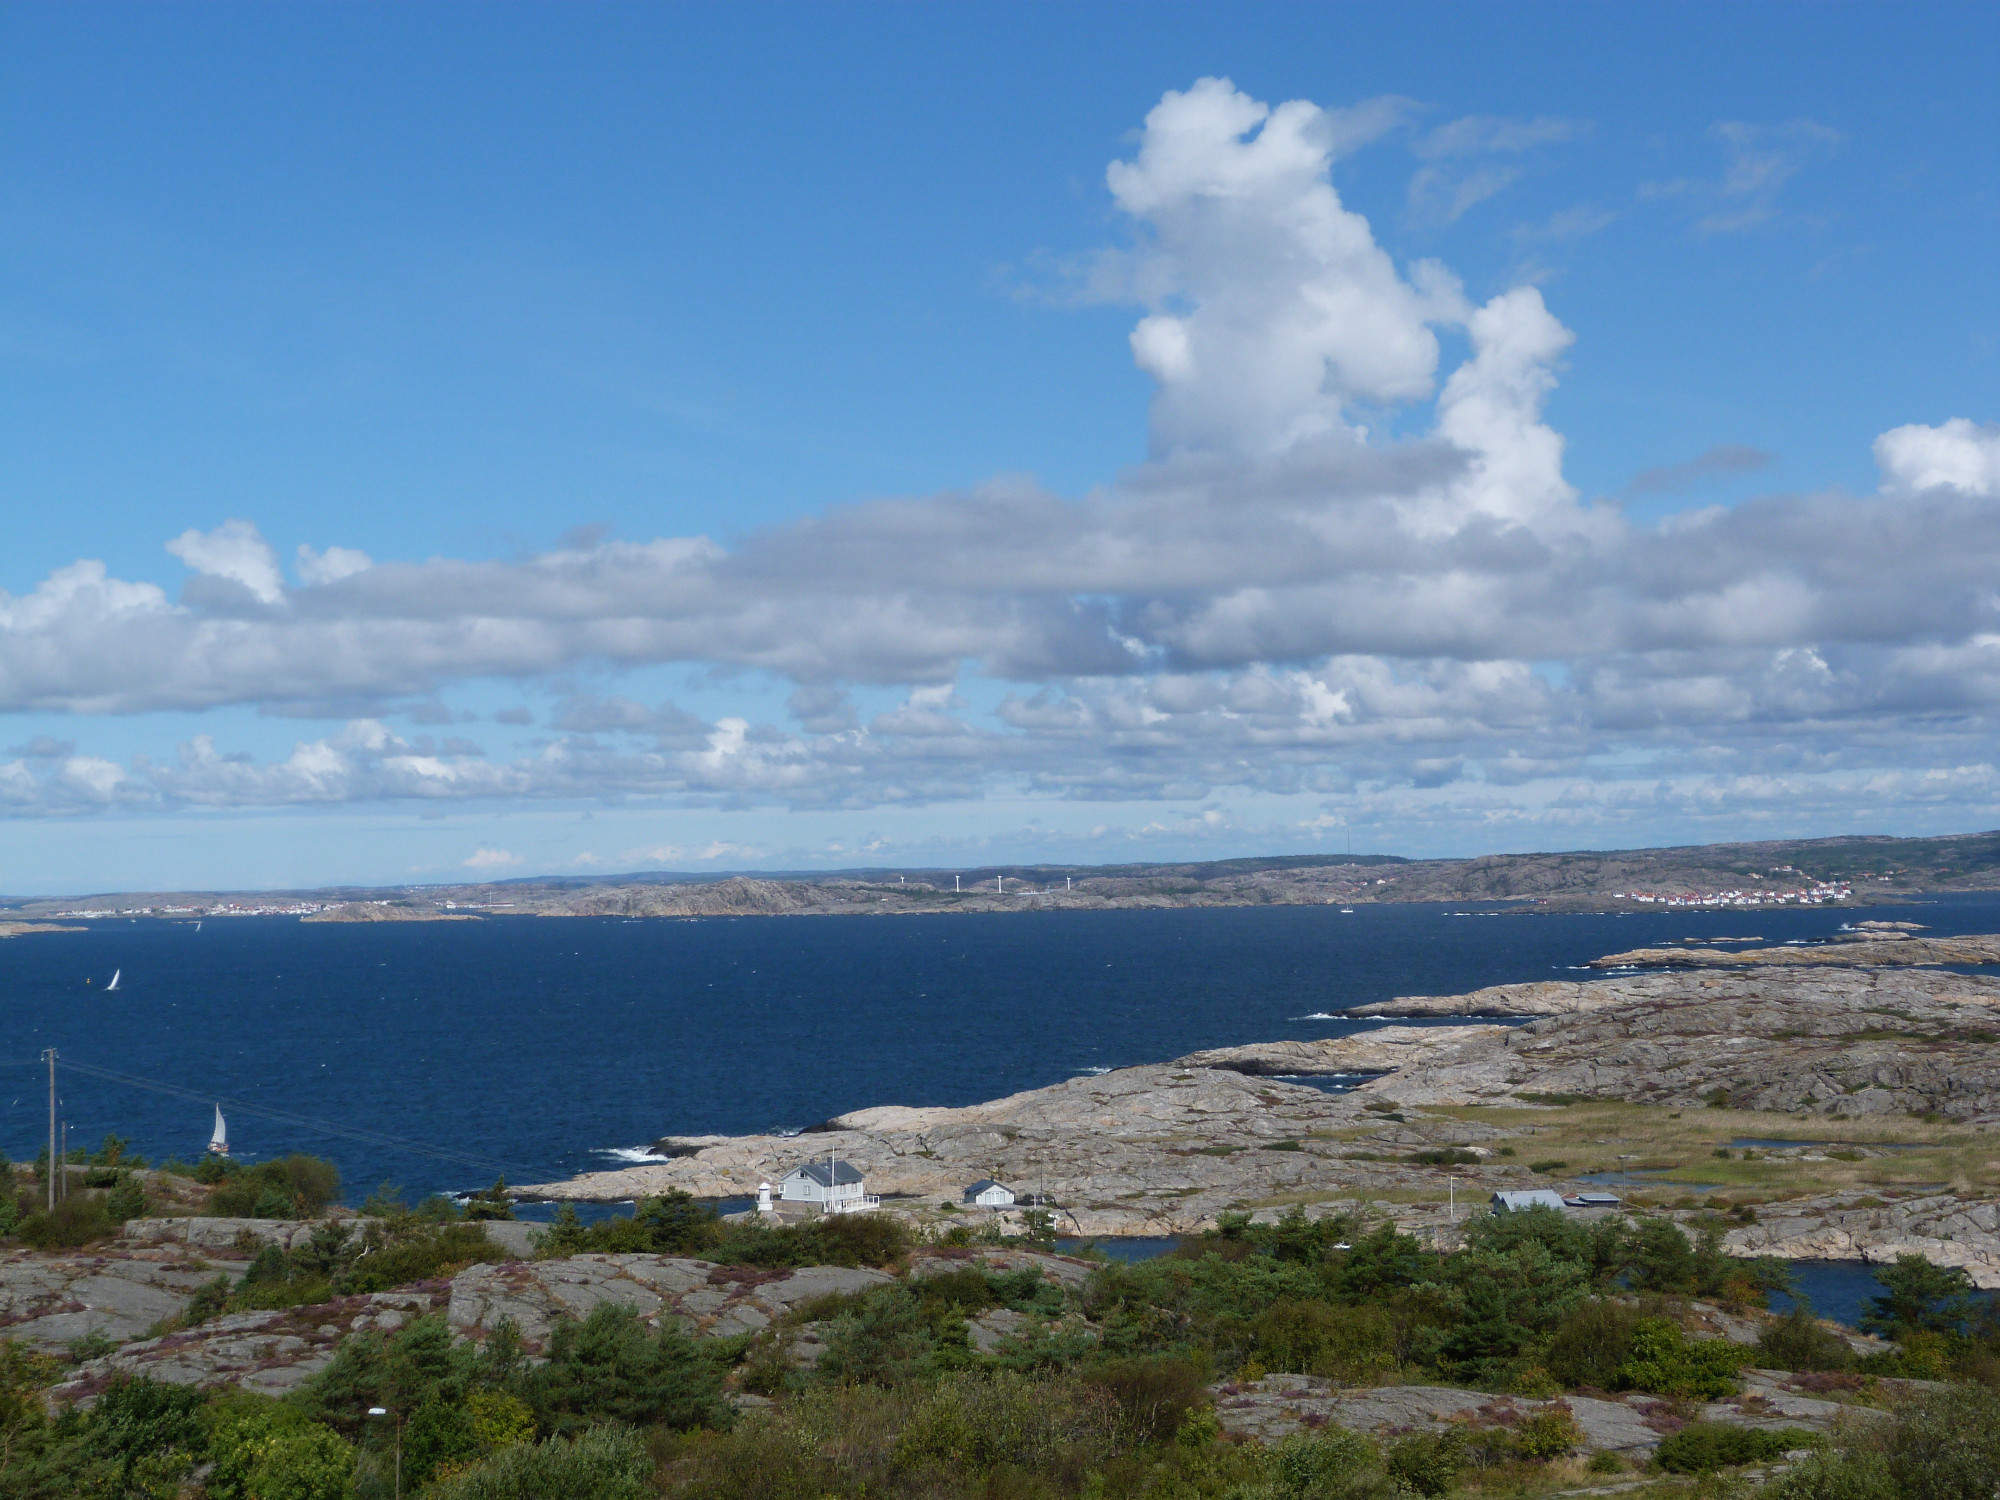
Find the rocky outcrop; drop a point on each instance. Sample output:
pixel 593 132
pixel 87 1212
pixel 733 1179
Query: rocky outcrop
pixel 1279 1405
pixel 1153 1150
pixel 387 911
pixel 1381 1051
pixel 267 1352
pixel 1542 997
pixel 1945 1230
pixel 23 929
pixel 1841 1042
pixel 699 1296
pixel 1871 949
pixel 46 1301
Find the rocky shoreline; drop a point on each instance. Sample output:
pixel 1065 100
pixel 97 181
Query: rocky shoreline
pixel 1168 1148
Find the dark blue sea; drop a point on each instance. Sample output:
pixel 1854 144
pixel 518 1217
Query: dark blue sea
pixel 447 1053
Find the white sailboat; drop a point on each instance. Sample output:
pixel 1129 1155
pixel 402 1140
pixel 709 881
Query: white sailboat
pixel 218 1143
pixel 114 980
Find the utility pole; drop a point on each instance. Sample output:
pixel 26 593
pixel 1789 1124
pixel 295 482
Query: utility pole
pixel 50 1054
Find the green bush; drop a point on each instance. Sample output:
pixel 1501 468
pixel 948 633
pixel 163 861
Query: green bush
pixel 293 1187
pixel 1427 1463
pixel 1668 1363
pixel 974 1423
pixel 137 1420
pixel 1591 1345
pixel 1311 1465
pixel 1153 1393
pixel 127 1200
pixel 1319 1338
pixel 1702 1446
pixel 309 1463
pixel 242 1426
pixel 602 1463
pixel 1552 1432
pixel 611 1367
pixel 1918 1297
pixel 75 1221
pixel 1798 1341
pixel 1860 1475
pixel 1946 1446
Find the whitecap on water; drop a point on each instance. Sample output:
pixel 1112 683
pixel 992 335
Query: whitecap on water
pixel 1318 1015
pixel 1092 1072
pixel 627 1153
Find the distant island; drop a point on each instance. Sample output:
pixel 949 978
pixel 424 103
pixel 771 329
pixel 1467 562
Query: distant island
pixel 1779 872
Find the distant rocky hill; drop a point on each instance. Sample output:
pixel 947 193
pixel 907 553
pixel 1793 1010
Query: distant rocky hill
pixel 1873 867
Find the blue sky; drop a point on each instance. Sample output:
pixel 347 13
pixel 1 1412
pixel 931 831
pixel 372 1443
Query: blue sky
pixel 510 302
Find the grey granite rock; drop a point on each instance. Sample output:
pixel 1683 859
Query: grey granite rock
pixel 233 1234
pixel 703 1298
pixel 117 1293
pixel 269 1352
pixel 1278 1405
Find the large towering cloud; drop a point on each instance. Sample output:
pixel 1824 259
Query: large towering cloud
pixel 1278 599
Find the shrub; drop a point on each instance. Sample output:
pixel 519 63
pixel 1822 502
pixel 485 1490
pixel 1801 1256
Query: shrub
pixel 418 1250
pixel 309 1463
pixel 611 1367
pixel 137 1418
pixel 1318 1338
pixel 1428 1463
pixel 972 1423
pixel 603 1463
pixel 1799 1341
pixel 1309 1465
pixel 242 1426
pixel 293 1187
pixel 1552 1432
pixel 1154 1393
pixel 127 1200
pixel 1918 1296
pixel 1947 1446
pixel 1702 1446
pixel 75 1221
pixel 491 1204
pixel 1859 1475
pixel 1668 1363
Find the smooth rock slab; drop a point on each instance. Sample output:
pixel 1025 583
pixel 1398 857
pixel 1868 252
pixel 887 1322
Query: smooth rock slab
pixel 705 1299
pixel 270 1352
pixel 1063 1270
pixel 48 1300
pixel 1279 1405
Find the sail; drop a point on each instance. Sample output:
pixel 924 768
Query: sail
pixel 114 979
pixel 219 1142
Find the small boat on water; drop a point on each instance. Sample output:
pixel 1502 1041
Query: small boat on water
pixel 114 980
pixel 218 1143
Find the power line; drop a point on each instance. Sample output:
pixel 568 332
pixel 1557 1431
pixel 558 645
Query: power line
pixel 322 1127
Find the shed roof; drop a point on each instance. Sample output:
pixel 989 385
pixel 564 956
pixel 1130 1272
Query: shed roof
pixel 1532 1198
pixel 835 1174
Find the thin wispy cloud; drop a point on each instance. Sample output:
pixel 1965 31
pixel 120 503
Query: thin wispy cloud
pixel 1758 161
pixel 1471 159
pixel 1724 458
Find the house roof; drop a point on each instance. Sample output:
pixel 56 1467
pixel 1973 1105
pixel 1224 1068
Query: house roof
pixel 1533 1198
pixel 983 1184
pixel 817 1171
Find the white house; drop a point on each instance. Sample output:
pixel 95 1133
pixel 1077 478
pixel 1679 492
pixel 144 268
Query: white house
pixel 1512 1203
pixel 986 1193
pixel 834 1185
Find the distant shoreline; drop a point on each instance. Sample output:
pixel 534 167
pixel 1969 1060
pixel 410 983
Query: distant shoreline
pixel 1863 870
